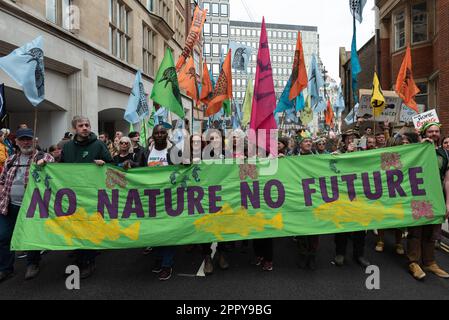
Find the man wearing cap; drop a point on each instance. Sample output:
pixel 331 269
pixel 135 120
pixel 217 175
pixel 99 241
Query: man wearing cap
pixel 421 240
pixel 13 181
pixel 320 146
pixel 307 245
pixel 85 148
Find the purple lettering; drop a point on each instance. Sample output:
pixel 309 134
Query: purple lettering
pixel 415 182
pixel 246 193
pixel 349 179
pixel 194 197
pixel 169 202
pixel 152 207
pixel 281 194
pixel 334 187
pixel 214 198
pixel 111 206
pixel 71 197
pixel 36 200
pixel 377 194
pixel 394 181
pixel 308 191
pixel 133 205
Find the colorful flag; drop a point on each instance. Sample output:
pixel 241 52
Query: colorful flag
pixel 223 88
pixel 206 86
pixel 317 102
pixel 339 105
pixel 299 79
pixel 285 103
pixel 137 108
pixel 264 99
pixel 193 37
pixel 25 66
pixel 2 102
pixel 377 98
pixel 187 80
pixel 329 114
pixel 227 103
pixel 300 102
pixel 356 7
pixel 237 117
pixel 307 113
pixel 241 56
pixel 405 84
pixel 166 88
pixel 248 103
pixel 355 65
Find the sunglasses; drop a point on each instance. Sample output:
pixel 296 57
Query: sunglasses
pixel 124 143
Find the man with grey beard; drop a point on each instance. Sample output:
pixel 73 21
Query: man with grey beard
pixel 13 182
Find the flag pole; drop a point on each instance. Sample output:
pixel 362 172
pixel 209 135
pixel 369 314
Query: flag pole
pixel 35 128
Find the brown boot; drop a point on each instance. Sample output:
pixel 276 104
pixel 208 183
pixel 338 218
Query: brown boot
pixel 208 265
pixel 416 271
pixel 435 269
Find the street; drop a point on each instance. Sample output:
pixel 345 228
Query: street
pixel 126 274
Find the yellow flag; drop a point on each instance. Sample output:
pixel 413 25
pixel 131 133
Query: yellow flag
pixel 377 98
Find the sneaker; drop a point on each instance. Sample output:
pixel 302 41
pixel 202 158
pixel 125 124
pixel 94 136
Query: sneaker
pixel 267 266
pixel 32 271
pixel 435 269
pixel 5 275
pixel 208 265
pixel 363 262
pixel 223 262
pixel 380 246
pixel 87 270
pixel 400 249
pixel 339 260
pixel 21 255
pixel 165 273
pixel 258 261
pixel 157 267
pixel 147 251
pixel 416 271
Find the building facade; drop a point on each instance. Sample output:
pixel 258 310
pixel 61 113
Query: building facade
pixel 282 43
pixel 216 33
pixel 424 25
pixel 93 50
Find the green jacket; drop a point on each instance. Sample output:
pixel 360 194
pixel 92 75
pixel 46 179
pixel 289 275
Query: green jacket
pixel 86 151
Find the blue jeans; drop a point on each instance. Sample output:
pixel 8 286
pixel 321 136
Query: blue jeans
pixel 7 224
pixel 166 255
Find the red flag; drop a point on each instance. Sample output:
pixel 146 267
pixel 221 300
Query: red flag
pixel 329 114
pixel 405 85
pixel 264 99
pixel 187 80
pixel 299 73
pixel 206 89
pixel 223 88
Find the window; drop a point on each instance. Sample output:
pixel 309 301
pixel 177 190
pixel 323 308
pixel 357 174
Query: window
pixel 253 33
pixel 119 33
pixel 224 30
pixel 215 9
pixel 148 49
pixel 215 29
pixel 269 34
pixel 215 49
pixel 399 30
pixel 422 97
pixel 215 69
pixel 232 31
pixel 224 49
pixel 206 5
pixel 419 22
pixel 244 82
pixel 239 82
pixel 237 32
pixel 224 10
pixel 60 12
pixel 207 49
pixel 164 11
pixel 206 29
pixel 150 5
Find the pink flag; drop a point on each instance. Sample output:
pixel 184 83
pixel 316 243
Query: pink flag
pixel 264 99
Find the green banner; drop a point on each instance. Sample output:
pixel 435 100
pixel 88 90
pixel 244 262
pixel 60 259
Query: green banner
pixel 75 206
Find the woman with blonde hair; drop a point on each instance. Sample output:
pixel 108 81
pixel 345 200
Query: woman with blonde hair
pixel 124 156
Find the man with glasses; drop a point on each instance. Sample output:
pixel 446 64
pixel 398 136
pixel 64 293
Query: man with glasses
pixel 13 181
pixel 85 148
pixel 320 146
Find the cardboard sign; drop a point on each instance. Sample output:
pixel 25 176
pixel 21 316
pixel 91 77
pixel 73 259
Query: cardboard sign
pixel 422 119
pixel 407 114
pixel 392 107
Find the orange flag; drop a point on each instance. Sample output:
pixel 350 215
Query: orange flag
pixel 329 114
pixel 299 73
pixel 405 85
pixel 206 89
pixel 187 80
pixel 223 88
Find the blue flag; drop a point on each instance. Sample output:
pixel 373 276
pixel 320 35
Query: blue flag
pixel 352 116
pixel 137 108
pixel 300 102
pixel 161 117
pixel 355 65
pixel 356 7
pixel 339 105
pixel 318 103
pixel 285 104
pixel 237 117
pixel 2 102
pixel 26 66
